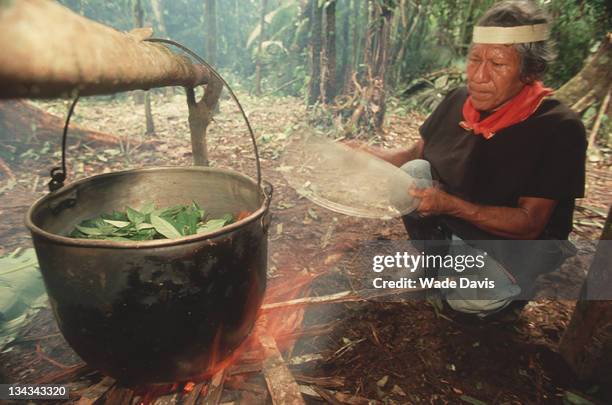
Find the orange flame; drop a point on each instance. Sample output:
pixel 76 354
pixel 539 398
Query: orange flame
pixel 279 323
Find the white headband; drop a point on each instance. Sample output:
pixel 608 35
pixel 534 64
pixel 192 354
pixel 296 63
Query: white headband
pixel 511 35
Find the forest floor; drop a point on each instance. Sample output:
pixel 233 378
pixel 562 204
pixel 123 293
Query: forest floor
pixel 394 352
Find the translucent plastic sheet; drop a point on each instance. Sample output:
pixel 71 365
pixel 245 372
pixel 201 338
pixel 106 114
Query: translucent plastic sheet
pixel 346 180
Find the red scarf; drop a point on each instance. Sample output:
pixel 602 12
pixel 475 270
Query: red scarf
pixel 518 109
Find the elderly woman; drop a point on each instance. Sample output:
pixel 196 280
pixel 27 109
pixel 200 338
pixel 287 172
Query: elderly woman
pixel 509 159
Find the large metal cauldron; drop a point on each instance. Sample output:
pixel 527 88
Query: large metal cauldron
pixel 154 311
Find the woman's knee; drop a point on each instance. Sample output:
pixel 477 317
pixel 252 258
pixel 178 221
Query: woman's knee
pixel 420 171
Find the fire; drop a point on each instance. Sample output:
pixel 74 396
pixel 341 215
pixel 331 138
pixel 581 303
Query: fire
pixel 279 324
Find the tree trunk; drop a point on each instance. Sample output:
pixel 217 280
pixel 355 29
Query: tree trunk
pixel 210 16
pixel 328 56
pixel 137 14
pixel 24 125
pixel 368 39
pixel 200 116
pixel 587 343
pixel 264 4
pixel 150 125
pixel 295 58
pixel 159 17
pixel 96 59
pixel 384 14
pixel 400 25
pixel 464 34
pixel 416 14
pixel 355 44
pixel 591 83
pixel 345 71
pixel 368 102
pixel 238 38
pixel 314 87
pixel 138 18
pixel 347 83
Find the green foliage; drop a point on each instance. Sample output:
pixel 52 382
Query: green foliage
pixel 578 27
pixel 276 20
pixel 22 292
pixel 431 34
pixel 149 223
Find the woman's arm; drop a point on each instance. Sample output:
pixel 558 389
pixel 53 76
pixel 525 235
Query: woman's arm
pixel 396 157
pixel 527 221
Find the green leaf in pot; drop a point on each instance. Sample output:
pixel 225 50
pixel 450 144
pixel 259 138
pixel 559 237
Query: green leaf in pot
pixel 89 230
pixel 149 223
pixel 164 227
pixel 134 216
pixel 118 224
pixel 147 208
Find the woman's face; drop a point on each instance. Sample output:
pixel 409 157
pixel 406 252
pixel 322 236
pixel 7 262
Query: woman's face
pixel 493 75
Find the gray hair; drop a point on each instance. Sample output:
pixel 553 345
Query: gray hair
pixel 535 56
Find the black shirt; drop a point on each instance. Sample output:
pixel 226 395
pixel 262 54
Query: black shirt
pixel 543 156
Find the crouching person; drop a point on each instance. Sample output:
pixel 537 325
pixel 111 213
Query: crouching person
pixel 508 160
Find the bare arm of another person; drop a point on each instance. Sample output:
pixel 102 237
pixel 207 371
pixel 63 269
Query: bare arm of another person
pixel 396 157
pixel 527 221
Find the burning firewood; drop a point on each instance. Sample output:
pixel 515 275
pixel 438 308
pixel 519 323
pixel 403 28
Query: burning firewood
pixel 95 392
pixel 281 383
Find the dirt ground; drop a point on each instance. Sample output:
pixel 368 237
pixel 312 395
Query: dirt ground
pixel 393 352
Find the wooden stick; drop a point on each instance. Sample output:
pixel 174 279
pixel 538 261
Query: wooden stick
pixel 95 58
pixel 238 384
pixel 338 297
pixel 344 296
pixel 250 398
pixel 119 396
pixel 354 399
pixel 95 392
pixel 167 399
pixel 327 396
pixel 191 397
pixel 330 382
pixel 281 384
pixel 215 388
pixel 336 397
pixel 245 369
pixel 305 358
pixel 584 102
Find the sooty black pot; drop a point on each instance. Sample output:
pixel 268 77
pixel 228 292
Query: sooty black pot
pixel 163 310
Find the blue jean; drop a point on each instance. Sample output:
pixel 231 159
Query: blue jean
pixel 478 302
pixel 420 171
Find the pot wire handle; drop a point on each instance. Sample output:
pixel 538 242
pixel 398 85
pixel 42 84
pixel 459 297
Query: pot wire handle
pixel 58 174
pixel 218 76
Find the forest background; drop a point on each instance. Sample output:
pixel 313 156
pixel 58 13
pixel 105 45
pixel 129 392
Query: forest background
pixel 349 55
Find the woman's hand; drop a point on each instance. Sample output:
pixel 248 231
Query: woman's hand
pixel 396 157
pixel 433 201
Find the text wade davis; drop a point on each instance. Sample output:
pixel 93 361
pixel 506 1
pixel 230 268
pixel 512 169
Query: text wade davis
pixel 411 262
